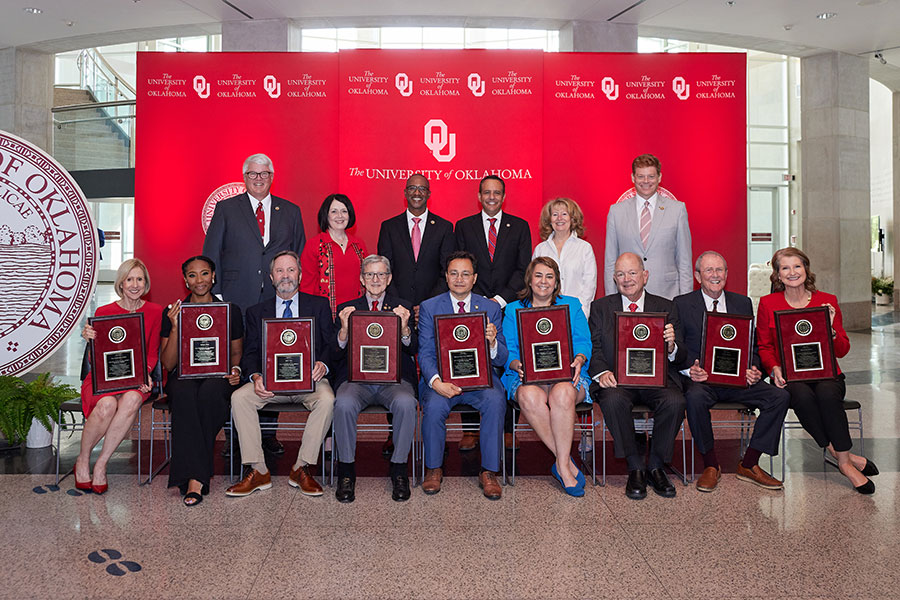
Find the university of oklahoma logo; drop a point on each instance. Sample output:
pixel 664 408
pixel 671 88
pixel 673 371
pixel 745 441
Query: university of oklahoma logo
pixel 438 137
pixel 403 84
pixel 475 84
pixel 610 88
pixel 201 86
pixel 48 255
pixel 681 88
pixel 220 193
pixel 271 86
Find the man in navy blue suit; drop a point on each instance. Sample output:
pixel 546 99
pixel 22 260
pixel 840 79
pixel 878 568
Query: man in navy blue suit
pixel 249 398
pixel 438 397
pixel 711 271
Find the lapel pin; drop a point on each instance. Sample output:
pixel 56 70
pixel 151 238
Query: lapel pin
pixel 431 222
pixel 277 208
pixel 662 208
pixel 507 224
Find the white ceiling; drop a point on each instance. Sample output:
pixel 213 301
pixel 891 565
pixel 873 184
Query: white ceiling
pixel 861 27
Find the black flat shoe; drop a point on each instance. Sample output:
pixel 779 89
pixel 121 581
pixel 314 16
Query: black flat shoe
pixel 400 490
pixel 636 487
pixel 870 469
pixel 661 484
pixel 192 499
pixel 346 490
pixel 867 488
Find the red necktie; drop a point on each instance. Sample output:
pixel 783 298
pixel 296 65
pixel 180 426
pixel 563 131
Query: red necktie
pixel 632 307
pixel 645 224
pixel 374 304
pixel 462 307
pixel 715 306
pixel 416 237
pixel 492 238
pixel 261 219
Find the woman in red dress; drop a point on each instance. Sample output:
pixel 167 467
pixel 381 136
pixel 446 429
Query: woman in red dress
pixel 331 261
pixel 818 405
pixel 111 416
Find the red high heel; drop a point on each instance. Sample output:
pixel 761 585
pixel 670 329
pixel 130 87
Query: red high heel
pixel 99 489
pixel 83 485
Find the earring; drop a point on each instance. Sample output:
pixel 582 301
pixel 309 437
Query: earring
pixel 186 285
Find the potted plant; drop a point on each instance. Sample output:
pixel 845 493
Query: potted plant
pixel 23 405
pixel 883 288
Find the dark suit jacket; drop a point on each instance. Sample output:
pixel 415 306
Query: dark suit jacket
pixel 234 243
pixel 416 280
pixel 603 333
pixel 505 275
pixel 307 306
pixel 691 309
pixel 408 353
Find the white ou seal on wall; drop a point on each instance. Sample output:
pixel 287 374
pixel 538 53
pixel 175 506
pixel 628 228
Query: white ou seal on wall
pixel 48 255
pixel 220 193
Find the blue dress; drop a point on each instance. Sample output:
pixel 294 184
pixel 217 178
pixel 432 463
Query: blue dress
pixel 581 342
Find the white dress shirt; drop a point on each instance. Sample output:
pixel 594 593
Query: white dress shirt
pixel 410 223
pixel 486 223
pixel 640 208
pixel 267 211
pixel 720 307
pixel 577 267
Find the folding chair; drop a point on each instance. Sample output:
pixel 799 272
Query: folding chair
pixel 853 425
pixel 584 426
pixel 643 423
pixel 459 409
pixel 377 409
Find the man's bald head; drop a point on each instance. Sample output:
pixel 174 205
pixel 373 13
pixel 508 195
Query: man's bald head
pixel 630 275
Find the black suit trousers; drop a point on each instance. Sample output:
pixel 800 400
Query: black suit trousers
pixel 819 406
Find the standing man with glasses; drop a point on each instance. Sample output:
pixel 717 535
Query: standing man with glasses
pixel 244 235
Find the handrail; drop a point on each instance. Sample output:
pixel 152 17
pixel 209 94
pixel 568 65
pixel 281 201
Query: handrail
pixel 71 107
pixel 91 119
pixel 114 72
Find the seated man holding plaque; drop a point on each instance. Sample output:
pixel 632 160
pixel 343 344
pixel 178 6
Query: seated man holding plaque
pixel 262 318
pixel 556 356
pixel 726 358
pixel 373 375
pixel 615 400
pixel 457 366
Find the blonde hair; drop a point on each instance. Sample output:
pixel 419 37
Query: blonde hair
pixel 123 271
pixel 777 284
pixel 576 217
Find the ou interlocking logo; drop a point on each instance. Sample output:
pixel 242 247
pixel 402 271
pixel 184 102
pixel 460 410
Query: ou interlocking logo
pixel 438 137
pixel 201 86
pixel 272 87
pixel 681 88
pixel 403 83
pixel 610 88
pixel 476 84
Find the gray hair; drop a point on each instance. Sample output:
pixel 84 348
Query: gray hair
pixel 371 260
pixel 122 274
pixel 284 253
pixel 708 253
pixel 258 159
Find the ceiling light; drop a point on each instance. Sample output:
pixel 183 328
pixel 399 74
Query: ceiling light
pixel 826 15
pixel 880 58
pixel 788 27
pixel 32 10
pixel 730 3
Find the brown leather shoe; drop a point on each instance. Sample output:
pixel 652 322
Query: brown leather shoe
pixel 759 477
pixel 249 484
pixel 469 441
pixel 508 441
pixel 709 479
pixel 302 478
pixel 432 482
pixel 487 481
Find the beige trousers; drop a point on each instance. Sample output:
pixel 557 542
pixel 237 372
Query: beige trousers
pixel 245 403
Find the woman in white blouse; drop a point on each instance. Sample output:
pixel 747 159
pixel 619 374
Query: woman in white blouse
pixel 562 222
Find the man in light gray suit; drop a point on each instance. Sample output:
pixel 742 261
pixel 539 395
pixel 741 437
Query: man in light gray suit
pixel 655 228
pixel 247 231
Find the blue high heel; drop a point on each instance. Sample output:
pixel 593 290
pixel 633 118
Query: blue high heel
pixel 576 491
pixel 580 477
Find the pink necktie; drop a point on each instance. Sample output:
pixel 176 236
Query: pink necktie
pixel 261 219
pixel 645 224
pixel 632 307
pixel 462 307
pixel 416 237
pixel 492 238
pixel 374 304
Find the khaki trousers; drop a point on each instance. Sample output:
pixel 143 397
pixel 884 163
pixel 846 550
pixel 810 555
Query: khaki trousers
pixel 245 403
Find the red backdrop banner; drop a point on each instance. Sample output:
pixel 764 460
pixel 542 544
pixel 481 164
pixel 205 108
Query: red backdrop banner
pixel 361 121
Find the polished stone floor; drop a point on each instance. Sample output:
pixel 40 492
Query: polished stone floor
pixel 816 539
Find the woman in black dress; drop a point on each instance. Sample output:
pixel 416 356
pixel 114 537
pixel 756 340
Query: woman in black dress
pixel 199 406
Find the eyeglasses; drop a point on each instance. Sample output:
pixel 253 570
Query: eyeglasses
pixel 259 174
pixel 624 274
pixel 371 276
pixel 417 188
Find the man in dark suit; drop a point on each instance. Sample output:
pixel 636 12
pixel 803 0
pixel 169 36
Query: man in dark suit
pixel 501 243
pixel 438 396
pixel 352 398
pixel 246 400
pixel 616 402
pixel 245 233
pixel 417 243
pixel 711 271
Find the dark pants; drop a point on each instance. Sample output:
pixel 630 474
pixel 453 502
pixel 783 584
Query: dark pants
pixel 199 409
pixel 819 406
pixel 667 405
pixel 771 401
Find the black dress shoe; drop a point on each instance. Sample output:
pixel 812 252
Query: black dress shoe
pixel 636 487
pixel 661 484
pixel 870 469
pixel 346 490
pixel 272 446
pixel 867 488
pixel 401 488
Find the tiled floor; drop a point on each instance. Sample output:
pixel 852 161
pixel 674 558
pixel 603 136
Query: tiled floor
pixel 817 539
